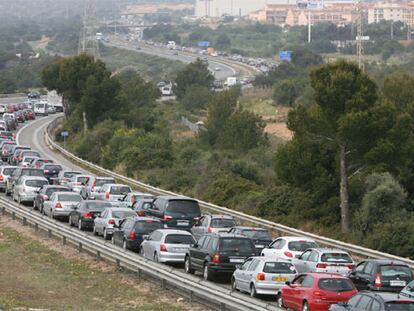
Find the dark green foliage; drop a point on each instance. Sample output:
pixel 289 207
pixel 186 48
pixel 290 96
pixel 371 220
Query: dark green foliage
pixel 196 97
pixel 286 92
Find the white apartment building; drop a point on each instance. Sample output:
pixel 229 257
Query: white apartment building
pixel 389 11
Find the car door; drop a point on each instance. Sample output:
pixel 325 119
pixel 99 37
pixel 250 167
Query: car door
pixel 47 205
pixel 118 234
pixel 240 274
pixel 100 220
pixel 300 262
pixel 287 293
pixel 363 304
pixel 250 274
pixel 356 273
pixel 311 263
pixel 199 252
pixel 302 291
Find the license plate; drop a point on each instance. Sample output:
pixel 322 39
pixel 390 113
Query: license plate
pixel 179 249
pixel 259 246
pixel 279 279
pixel 182 222
pixel 236 260
pixel 398 283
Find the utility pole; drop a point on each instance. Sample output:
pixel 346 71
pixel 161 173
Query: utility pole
pixel 309 26
pixel 88 42
pixel 360 35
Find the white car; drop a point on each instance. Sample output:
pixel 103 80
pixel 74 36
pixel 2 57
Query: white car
pixel 77 182
pixel 113 192
pixel 26 188
pixel 104 223
pixel 288 247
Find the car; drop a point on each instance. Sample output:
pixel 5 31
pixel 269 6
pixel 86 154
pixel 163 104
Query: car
pixel 5 172
pixel 262 275
pixel 58 108
pixel 27 161
pixel 288 247
pixel 175 211
pixel 77 182
pixel 167 245
pixel 130 199
pixel 34 95
pixel 408 291
pixel 38 163
pixel 44 194
pixel 26 153
pixel 217 68
pixel 15 153
pixel 51 109
pixel 61 204
pixel 93 185
pixel 218 253
pixel 375 301
pixel 6 148
pixel 26 188
pixel 315 291
pixel 30 114
pixel 212 223
pixel 83 214
pixel 64 177
pixel 10 117
pixel 131 231
pixel 112 192
pixel 381 275
pixel 324 260
pixel 104 223
pixel 51 171
pixel 261 237
pixel 19 172
pixel 142 205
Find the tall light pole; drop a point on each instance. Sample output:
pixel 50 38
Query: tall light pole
pixel 360 35
pixel 88 42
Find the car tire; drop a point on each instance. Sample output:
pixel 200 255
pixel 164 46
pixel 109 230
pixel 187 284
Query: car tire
pixel 233 285
pixel 305 306
pixel 94 230
pixel 124 244
pixel 253 292
pixel 80 225
pixel 207 274
pixel 106 236
pixel 187 265
pixel 279 301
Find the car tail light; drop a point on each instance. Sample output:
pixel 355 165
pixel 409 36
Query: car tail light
pixel 45 197
pixel 288 254
pixel 141 213
pixel 163 248
pixel 350 267
pixel 216 258
pixel 321 265
pixel 46 171
pixel 378 280
pixel 132 235
pixel 209 230
pixel 93 185
pixel 87 215
pixel 107 195
pixel 1 178
pixel 111 222
pixel 58 205
pixel 319 295
pixel 260 277
pixel 168 218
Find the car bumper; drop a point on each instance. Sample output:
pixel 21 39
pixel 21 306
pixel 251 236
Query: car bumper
pixel 61 213
pixel 27 197
pixel 171 257
pixel 223 269
pixel 392 289
pixel 264 288
pixel 3 185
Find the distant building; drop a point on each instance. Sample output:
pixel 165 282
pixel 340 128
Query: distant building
pixel 386 11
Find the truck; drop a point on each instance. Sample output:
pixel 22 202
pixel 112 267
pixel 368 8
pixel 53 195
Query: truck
pixel 171 45
pixel 230 81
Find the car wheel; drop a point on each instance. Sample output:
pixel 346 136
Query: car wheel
pixel 305 307
pixel 279 300
pixel 207 275
pixel 253 292
pixel 124 244
pixel 106 235
pixel 94 230
pixel 80 225
pixel 233 284
pixel 156 257
pixel 187 265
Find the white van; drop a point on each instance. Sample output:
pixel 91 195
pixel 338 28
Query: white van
pixel 40 109
pixel 3 108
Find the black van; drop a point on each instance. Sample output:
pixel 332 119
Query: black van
pixel 175 211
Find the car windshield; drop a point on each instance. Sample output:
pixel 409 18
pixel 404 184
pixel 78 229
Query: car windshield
pixel 147 226
pixel 301 246
pixel 8 147
pixel 236 245
pixel 82 179
pixel 257 234
pixel 70 197
pixel 399 306
pixel 101 182
pixel 395 270
pixel 123 214
pixel 279 267
pixel 184 207
pixel 36 183
pixel 179 239
pixel 117 190
pixel 8 171
pixel 52 167
pixel 336 285
pixel 97 205
pixel 222 223
pixel 50 191
pixel 34 172
pixel 336 257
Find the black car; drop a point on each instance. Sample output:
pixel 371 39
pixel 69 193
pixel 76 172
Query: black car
pixel 44 194
pixel 381 275
pixel 51 171
pixel 175 211
pixel 19 172
pixel 33 95
pixel 261 237
pixel 84 214
pixel 131 231
pixel 375 301
pixel 218 253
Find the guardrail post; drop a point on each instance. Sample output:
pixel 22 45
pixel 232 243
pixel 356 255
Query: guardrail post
pixel 24 221
pixel 118 263
pixel 222 307
pixel 139 273
pixel 49 233
pixel 98 255
pixel 163 284
pixel 80 247
pixel 191 298
pixel 14 215
pixel 64 240
pixel 36 227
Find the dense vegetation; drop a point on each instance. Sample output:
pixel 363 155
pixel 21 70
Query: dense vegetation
pixel 348 120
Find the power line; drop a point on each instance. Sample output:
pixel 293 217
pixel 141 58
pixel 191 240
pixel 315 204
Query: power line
pixel 88 41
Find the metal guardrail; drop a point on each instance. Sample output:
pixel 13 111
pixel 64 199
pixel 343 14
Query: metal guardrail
pixel 279 228
pixel 193 287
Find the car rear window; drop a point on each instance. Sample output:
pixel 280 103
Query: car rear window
pixel 101 182
pixel 236 245
pixel 279 267
pixel 222 223
pixel 30 153
pixel 257 234
pixel 301 246
pixel 147 226
pixel 336 257
pixel 36 183
pixel 336 285
pixel 70 174
pixel 399 306
pixel 8 147
pixel 34 172
pixel 179 239
pixel 117 190
pixel 82 179
pixel 97 205
pixel 395 270
pixel 52 167
pixel 8 171
pixel 184 207
pixel 70 197
pixel 123 214
pixel 50 191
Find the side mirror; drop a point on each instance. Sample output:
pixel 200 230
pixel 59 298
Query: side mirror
pixel 352 273
pixel 288 283
pixel 120 199
pixel 238 266
pixel 342 304
pixel 145 237
pixel 195 245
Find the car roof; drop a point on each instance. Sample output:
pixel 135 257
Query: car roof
pixel 55 186
pixel 328 250
pixel 295 238
pixel 175 197
pixel 228 235
pixel 95 201
pixel 104 177
pixel 173 231
pixel 117 185
pixel 66 192
pixel 271 259
pixel 386 296
pixel 322 275
pixel 122 209
pixel 147 218
pixel 221 216
pixel 248 228
pixel 34 177
pixel 387 262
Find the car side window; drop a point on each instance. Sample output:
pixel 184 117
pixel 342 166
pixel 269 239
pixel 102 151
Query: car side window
pixel 246 264
pixel 275 244
pixel 254 265
pixel 126 225
pixel 369 268
pixel 157 205
pixel 206 242
pixel 299 279
pixel 375 305
pixel 364 303
pixel 213 244
pixel 313 256
pixel 305 255
pixel 156 236
pixel 308 281
pixel 103 215
pixel 360 267
pixel 354 300
pixel 204 223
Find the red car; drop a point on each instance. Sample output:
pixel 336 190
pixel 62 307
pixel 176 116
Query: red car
pixel 316 291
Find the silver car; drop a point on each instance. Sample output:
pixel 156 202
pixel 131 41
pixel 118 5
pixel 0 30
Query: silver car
pixel 61 204
pixel 130 200
pixel 77 182
pixel 27 160
pixel 262 275
pixel 212 224
pixel 5 172
pixel 65 176
pixel 104 223
pixel 408 291
pixel 93 185
pixel 326 260
pixel 113 192
pixel 167 245
pixel 27 187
